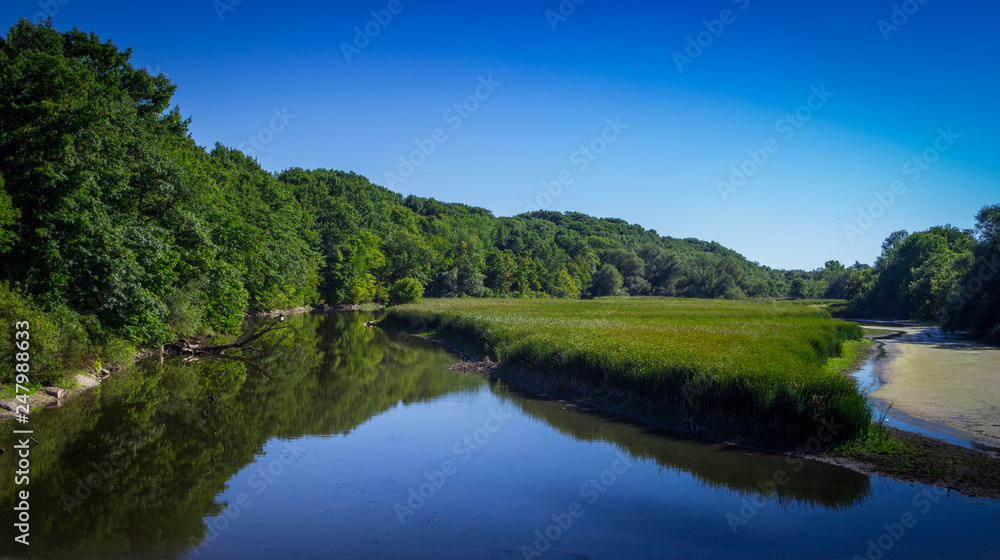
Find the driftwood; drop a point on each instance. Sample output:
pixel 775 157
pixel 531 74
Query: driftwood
pixel 195 348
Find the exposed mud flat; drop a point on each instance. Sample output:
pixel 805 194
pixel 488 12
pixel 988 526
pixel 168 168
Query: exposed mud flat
pixel 943 380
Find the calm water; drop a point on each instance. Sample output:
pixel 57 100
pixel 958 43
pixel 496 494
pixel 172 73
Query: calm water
pixel 337 441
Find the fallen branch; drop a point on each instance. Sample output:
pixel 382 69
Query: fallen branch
pixel 185 347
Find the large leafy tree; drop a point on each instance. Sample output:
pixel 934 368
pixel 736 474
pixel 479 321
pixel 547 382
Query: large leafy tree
pixel 975 305
pixel 82 149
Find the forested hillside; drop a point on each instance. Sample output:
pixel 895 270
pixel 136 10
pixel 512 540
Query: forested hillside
pixel 117 230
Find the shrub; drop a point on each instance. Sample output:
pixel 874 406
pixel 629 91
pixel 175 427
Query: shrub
pixel 406 290
pixel 55 339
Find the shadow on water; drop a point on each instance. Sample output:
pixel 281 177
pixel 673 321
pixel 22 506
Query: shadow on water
pixel 718 466
pixel 134 466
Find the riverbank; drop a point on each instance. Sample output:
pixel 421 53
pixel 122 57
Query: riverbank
pixel 82 381
pixel 883 451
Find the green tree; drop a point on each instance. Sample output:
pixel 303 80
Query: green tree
pixel 974 306
pixel 499 270
pixel 8 217
pixel 799 289
pixel 405 290
pixel 607 281
pixel 914 275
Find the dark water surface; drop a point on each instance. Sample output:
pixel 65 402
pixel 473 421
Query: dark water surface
pixel 337 441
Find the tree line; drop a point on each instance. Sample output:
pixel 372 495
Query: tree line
pixel 117 230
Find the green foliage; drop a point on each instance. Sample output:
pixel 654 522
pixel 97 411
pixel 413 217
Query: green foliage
pixel 405 290
pixel 758 365
pixel 799 289
pixel 607 281
pixel 185 311
pixel 54 340
pixel 124 221
pixel 8 217
pixel 974 307
pixel 914 276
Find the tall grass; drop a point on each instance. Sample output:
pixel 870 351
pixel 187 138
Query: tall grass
pixel 753 365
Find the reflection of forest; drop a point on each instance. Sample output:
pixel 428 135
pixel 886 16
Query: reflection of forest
pixel 714 465
pixel 161 440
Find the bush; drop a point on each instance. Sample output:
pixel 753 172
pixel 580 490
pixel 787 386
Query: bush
pixel 55 340
pixel 406 290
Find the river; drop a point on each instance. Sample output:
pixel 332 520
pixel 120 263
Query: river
pixel 340 441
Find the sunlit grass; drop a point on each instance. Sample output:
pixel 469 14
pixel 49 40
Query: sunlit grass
pixel 755 365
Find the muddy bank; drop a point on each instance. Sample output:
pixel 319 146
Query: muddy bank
pixel 928 460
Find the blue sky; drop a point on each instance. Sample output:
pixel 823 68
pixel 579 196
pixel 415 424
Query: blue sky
pixel 779 129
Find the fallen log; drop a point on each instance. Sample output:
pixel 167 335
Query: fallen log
pixel 186 347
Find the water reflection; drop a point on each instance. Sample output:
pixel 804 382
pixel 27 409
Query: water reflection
pixel 140 465
pixel 135 466
pixel 781 480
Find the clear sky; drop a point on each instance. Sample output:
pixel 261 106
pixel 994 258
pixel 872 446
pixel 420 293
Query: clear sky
pixel 763 125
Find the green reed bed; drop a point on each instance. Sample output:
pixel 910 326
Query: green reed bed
pixel 746 365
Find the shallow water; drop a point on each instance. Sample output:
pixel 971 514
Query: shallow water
pixel 337 441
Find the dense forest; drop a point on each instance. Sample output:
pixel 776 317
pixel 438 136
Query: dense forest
pixel 118 231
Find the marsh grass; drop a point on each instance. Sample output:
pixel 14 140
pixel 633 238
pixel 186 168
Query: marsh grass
pixel 754 366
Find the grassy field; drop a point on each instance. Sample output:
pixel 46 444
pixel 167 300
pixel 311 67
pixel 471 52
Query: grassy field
pixel 754 366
